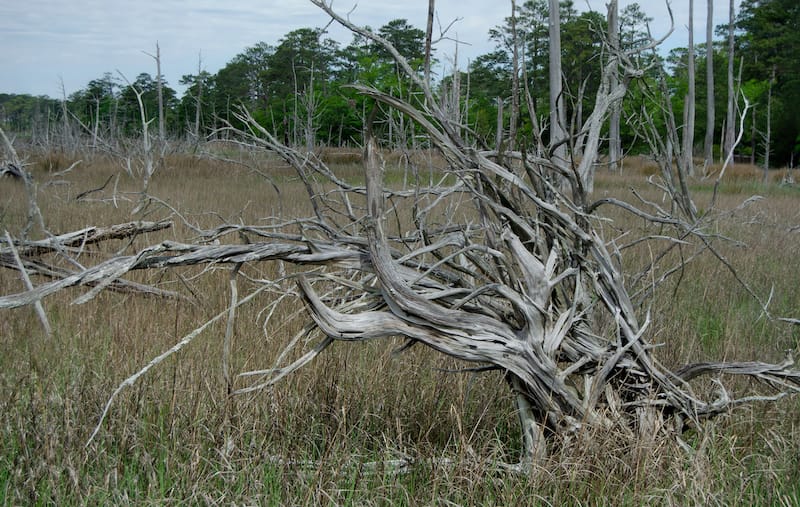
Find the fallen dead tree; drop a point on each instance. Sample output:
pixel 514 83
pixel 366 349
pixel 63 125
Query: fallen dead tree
pixel 30 258
pixel 501 264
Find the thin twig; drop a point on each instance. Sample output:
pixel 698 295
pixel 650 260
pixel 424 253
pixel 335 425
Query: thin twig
pixel 161 357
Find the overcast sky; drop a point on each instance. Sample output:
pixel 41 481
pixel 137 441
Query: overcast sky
pixel 45 42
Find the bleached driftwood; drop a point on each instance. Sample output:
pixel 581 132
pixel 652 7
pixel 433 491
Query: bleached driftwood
pixel 27 257
pixel 29 285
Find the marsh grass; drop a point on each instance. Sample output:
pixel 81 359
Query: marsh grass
pixel 176 437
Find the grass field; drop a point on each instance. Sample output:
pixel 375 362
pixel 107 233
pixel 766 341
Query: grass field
pixel 320 436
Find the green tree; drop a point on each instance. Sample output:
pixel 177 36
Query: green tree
pixel 368 63
pixel 96 105
pixel 633 26
pixel 489 79
pixel 298 78
pixel 231 90
pixel 194 112
pixel 27 114
pixel 581 42
pixel 532 31
pixel 256 62
pixel 130 116
pixel 767 40
pixel 408 40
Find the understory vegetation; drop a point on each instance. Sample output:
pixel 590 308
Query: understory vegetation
pixel 328 433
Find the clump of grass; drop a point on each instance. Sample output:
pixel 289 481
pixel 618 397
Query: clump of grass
pixel 341 156
pixel 313 439
pixel 641 165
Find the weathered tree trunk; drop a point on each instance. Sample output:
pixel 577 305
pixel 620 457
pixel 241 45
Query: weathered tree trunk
pixel 688 132
pixel 708 144
pixel 162 124
pixel 199 99
pixel 162 131
pixel 730 117
pixel 498 142
pixel 66 136
pixel 428 40
pixel 558 119
pixel 768 133
pixel 614 141
pixel 309 101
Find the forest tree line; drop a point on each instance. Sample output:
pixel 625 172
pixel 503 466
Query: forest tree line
pixel 298 87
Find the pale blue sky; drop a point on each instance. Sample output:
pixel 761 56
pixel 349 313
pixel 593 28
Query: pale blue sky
pixel 46 41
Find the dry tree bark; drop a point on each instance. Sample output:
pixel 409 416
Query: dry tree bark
pixel 558 118
pixel 708 143
pixel 501 264
pixel 730 115
pixel 689 119
pixel 515 65
pixel 162 131
pixel 27 256
pixel 614 141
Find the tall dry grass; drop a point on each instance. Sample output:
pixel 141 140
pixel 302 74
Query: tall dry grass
pixel 175 437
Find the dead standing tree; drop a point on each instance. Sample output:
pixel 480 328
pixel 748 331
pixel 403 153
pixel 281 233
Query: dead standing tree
pixel 500 265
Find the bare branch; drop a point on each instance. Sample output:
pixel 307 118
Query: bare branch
pixel 26 279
